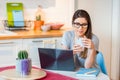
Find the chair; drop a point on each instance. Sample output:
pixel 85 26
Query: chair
pixel 101 63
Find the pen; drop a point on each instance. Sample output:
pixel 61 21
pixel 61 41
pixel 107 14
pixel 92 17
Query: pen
pixel 90 72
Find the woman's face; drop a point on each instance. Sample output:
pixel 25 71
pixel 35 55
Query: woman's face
pixel 80 26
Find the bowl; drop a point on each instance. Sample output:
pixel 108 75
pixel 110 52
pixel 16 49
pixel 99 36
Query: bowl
pixel 45 28
pixel 55 26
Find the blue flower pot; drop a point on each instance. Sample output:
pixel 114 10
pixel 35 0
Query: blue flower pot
pixel 23 66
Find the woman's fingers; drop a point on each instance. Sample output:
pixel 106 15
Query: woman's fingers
pixel 77 48
pixel 87 42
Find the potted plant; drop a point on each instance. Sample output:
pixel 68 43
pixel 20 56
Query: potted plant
pixel 23 63
pixel 38 23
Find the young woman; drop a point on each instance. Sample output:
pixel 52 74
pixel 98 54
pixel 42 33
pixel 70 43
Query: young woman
pixel 81 40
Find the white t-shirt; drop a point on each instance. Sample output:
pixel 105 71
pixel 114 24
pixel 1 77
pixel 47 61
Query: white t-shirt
pixel 68 41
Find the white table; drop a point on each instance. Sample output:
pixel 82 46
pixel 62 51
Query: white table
pixel 101 76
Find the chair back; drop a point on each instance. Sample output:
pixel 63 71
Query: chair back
pixel 100 61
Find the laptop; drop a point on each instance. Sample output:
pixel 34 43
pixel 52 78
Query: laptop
pixel 56 59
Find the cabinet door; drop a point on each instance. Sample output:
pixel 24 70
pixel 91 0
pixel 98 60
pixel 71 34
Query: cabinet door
pixel 49 43
pixel 54 42
pixel 58 42
pixel 32 46
pixel 8 51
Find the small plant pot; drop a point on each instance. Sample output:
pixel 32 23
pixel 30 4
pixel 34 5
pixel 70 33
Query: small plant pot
pixel 38 24
pixel 23 66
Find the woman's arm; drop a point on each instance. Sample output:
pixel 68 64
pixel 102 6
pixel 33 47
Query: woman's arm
pixel 90 60
pixel 67 40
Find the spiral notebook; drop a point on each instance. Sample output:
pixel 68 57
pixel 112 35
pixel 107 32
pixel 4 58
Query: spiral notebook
pixel 56 59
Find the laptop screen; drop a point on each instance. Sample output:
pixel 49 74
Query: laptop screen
pixel 56 59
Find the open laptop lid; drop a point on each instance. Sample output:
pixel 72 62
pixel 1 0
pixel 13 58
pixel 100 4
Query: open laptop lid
pixel 56 59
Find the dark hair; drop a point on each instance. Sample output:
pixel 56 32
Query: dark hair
pixel 84 14
pixel 88 33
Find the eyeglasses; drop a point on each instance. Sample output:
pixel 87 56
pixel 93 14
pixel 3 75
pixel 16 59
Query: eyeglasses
pixel 78 25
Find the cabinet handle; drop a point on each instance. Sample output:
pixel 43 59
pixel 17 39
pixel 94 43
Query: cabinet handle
pixel 6 42
pixel 37 41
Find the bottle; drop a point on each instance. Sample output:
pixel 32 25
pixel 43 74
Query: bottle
pixel 38 13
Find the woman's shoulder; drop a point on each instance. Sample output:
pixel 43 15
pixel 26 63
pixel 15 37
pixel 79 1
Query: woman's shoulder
pixel 94 37
pixel 95 40
pixel 69 33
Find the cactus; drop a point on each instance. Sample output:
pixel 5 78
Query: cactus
pixel 23 54
pixel 38 18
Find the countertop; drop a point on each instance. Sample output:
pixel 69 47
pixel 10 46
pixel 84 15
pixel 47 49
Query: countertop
pixel 21 34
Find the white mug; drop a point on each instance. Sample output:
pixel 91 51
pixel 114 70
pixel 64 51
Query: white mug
pixel 79 42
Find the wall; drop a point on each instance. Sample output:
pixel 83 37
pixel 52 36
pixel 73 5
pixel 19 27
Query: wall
pixel 100 12
pixel 115 63
pixel 52 9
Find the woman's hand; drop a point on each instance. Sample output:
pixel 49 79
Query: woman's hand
pixel 87 43
pixel 77 49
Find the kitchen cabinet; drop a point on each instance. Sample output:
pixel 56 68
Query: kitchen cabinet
pixel 32 46
pixel 9 48
pixel 8 51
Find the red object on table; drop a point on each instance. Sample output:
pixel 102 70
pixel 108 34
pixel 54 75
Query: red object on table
pixel 50 75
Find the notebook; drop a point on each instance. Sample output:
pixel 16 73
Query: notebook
pixel 91 72
pixel 56 59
